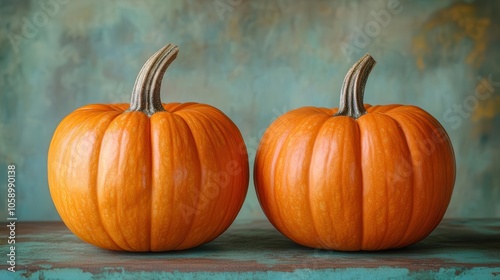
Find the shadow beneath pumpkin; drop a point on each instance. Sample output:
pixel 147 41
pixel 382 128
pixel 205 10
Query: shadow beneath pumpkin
pixel 257 236
pixel 256 245
pixel 477 234
pixel 477 241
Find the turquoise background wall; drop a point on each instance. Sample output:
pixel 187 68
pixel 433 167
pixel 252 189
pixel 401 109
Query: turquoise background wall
pixel 254 60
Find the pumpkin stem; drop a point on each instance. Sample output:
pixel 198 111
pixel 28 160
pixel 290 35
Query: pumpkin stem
pixel 353 88
pixel 146 92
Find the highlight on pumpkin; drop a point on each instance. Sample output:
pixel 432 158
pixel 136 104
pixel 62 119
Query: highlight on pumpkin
pixel 148 176
pixel 357 177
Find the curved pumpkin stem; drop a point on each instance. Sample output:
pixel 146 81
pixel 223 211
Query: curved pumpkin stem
pixel 353 88
pixel 146 92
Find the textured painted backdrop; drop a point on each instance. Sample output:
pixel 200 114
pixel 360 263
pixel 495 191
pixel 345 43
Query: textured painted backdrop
pixel 254 60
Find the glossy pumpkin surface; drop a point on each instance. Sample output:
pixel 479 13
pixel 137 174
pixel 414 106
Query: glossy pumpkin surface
pixel 148 176
pixel 356 178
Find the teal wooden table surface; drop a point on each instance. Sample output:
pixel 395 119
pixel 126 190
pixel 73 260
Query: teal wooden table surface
pixel 465 249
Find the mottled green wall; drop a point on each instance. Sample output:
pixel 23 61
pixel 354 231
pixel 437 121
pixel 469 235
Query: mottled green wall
pixel 254 60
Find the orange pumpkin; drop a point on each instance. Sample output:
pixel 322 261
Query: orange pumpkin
pixel 359 177
pixel 149 176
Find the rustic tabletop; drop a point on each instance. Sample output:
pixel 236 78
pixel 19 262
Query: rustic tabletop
pixel 464 248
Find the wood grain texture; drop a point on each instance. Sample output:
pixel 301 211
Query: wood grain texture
pixel 458 247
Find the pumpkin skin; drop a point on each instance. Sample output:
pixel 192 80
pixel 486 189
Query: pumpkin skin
pixel 356 178
pixel 142 178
